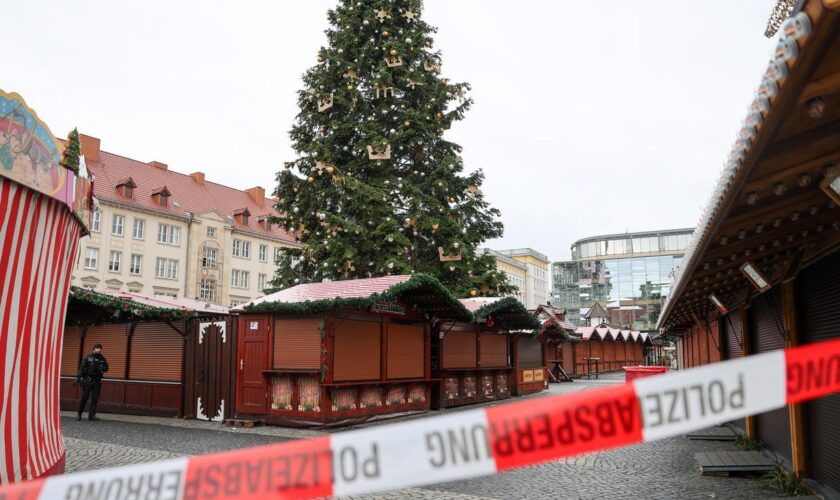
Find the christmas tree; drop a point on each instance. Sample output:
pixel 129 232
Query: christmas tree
pixel 376 189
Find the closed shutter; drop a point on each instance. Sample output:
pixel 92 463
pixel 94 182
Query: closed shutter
pixel 733 336
pixel 820 306
pixel 114 347
pixel 297 344
pixel 406 351
pixel 459 350
pixel 357 351
pixel 766 321
pixel 493 350
pixel 70 351
pixel 156 353
pixel 530 353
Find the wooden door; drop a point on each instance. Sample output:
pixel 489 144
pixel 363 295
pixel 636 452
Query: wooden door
pixel 253 355
pixel 212 367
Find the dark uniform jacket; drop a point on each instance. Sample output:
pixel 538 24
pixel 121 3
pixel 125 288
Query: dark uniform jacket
pixel 92 368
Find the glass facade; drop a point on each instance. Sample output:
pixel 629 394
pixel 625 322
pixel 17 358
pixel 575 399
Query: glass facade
pixel 629 275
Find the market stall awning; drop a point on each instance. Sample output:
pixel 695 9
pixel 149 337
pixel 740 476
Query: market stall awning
pixel 420 291
pixel 91 307
pixel 774 208
pixel 505 313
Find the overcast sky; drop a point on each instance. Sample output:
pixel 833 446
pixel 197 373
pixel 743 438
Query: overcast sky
pixel 589 117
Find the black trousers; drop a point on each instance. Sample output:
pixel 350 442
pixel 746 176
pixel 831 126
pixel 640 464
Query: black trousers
pixel 90 391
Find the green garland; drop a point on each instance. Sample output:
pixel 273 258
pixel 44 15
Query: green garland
pixel 128 307
pixel 402 291
pixel 72 152
pixel 508 313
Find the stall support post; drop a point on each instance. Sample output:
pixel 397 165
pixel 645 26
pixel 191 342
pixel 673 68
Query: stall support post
pixel 746 349
pixel 798 432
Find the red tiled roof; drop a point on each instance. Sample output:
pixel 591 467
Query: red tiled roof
pixel 348 289
pixel 190 196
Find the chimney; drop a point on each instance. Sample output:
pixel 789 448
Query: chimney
pixel 157 164
pixel 90 147
pixel 257 194
pixel 198 177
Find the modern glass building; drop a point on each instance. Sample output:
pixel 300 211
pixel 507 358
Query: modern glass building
pixel 628 274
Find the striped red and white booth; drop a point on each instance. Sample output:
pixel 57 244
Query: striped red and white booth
pixel 42 206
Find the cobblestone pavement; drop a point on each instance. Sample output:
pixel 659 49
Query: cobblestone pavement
pixel 665 469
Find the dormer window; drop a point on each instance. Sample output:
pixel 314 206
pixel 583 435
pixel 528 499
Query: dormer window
pixel 241 216
pixel 161 196
pixel 265 222
pixel 126 188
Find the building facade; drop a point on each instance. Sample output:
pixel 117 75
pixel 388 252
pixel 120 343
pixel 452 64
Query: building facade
pixel 159 232
pixel 527 269
pixel 627 274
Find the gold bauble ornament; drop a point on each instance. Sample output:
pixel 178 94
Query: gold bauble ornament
pixel 439 115
pixel 295 190
pixel 393 52
pixel 320 59
pixel 473 292
pixel 451 200
pixel 330 170
pixel 310 180
pixel 407 124
pixel 349 87
pixel 385 33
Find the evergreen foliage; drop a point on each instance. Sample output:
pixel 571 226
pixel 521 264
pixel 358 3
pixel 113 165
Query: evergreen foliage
pixel 72 152
pixel 376 189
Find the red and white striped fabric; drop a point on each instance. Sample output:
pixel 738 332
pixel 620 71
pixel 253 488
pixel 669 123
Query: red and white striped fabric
pixel 40 240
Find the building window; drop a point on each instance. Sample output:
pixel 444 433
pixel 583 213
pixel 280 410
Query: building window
pixel 242 248
pixel 211 232
pixel 207 290
pixel 263 253
pixel 261 283
pixel 96 221
pixel 136 264
pixel 277 253
pixel 166 268
pixel 91 258
pixel 114 261
pixel 139 229
pixel 117 225
pixel 238 279
pixel 169 235
pixel 208 260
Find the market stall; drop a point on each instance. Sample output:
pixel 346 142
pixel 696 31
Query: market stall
pixel 471 360
pixel 336 353
pixel 45 201
pixel 168 356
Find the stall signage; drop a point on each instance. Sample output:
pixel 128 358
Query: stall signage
pixel 388 306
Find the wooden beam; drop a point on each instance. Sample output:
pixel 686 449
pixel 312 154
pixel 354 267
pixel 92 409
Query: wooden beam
pixel 746 338
pixel 808 145
pixel 810 166
pixel 798 431
pixel 826 85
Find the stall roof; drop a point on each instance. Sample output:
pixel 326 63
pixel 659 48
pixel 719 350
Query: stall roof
pixel 506 312
pixel 423 292
pixel 770 207
pixel 88 306
pixel 601 332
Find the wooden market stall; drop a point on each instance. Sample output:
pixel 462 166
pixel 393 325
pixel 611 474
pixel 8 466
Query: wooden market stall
pixel 471 360
pixel 561 339
pixel 763 269
pixel 603 348
pixel 45 202
pixel 336 353
pixel 168 356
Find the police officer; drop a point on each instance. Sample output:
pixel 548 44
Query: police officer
pixel 90 378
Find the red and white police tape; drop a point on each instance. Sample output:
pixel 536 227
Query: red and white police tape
pixel 471 443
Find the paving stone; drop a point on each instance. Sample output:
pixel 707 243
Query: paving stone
pixel 665 469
